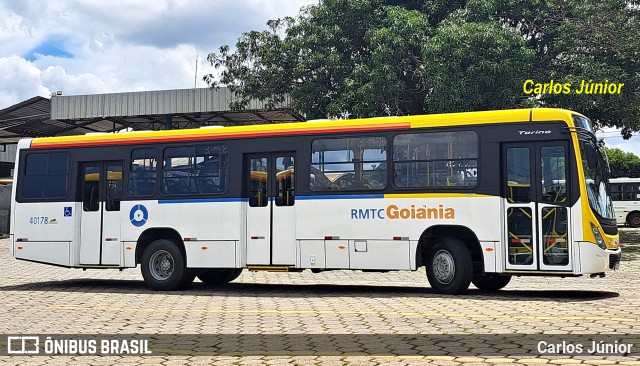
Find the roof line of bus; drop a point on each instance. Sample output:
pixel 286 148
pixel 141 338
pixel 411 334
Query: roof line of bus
pixel 310 127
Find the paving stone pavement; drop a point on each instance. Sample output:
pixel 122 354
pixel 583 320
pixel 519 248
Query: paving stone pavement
pixel 321 319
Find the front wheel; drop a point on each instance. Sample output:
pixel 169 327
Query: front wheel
pixel 490 281
pixel 217 276
pixel 634 220
pixel 449 266
pixel 163 266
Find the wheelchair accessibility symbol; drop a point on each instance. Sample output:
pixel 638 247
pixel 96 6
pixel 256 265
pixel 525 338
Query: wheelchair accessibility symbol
pixel 138 215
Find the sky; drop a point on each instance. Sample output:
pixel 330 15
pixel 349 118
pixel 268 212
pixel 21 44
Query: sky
pixel 108 46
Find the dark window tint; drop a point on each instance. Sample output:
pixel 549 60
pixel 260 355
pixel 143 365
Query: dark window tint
pixel 114 187
pixel 349 164
pixel 435 159
pixel 554 177
pixel 285 183
pixel 195 170
pixel 258 182
pixel 625 191
pixel 518 182
pixel 46 175
pixel 142 177
pixel 91 188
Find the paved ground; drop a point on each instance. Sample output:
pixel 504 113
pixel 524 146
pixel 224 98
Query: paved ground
pixel 345 313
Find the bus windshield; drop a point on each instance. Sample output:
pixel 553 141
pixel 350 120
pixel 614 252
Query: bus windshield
pixel 596 171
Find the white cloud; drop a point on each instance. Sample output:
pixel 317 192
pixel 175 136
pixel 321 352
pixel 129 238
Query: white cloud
pixel 97 46
pixel 19 80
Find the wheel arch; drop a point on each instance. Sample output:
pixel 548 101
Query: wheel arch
pixel 152 234
pixel 430 236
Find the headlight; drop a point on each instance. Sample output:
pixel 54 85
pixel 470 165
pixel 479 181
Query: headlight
pixel 598 236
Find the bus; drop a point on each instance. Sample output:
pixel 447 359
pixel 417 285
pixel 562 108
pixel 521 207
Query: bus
pixel 474 197
pixel 625 193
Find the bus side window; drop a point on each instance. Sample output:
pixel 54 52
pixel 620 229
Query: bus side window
pixel 349 164
pixel 142 176
pixel 46 175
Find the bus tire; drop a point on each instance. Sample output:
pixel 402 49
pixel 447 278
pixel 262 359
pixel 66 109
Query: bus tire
pixel 634 219
pixel 218 276
pixel 490 281
pixel 449 266
pixel 164 267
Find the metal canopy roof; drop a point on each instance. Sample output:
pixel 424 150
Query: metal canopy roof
pixel 183 108
pixel 25 119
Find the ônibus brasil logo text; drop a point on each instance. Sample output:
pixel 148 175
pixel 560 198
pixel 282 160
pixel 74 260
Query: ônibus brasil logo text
pixel 393 212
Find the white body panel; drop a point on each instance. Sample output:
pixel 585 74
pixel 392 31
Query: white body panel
pixel 366 233
pixel 90 235
pixel 284 235
pixel 218 253
pixel 111 244
pixel 43 233
pixel 259 235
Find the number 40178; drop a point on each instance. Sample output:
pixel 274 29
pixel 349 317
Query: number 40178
pixel 39 220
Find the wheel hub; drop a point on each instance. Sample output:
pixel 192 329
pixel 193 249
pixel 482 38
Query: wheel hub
pixel 161 265
pixel 443 267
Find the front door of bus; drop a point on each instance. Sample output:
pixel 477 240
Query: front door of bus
pixel 101 190
pixel 269 190
pixel 535 189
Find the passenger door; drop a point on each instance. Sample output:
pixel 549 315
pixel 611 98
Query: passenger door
pixel 536 199
pixel 100 184
pixel 270 191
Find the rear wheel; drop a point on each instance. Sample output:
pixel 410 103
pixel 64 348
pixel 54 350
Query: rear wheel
pixel 217 276
pixel 634 219
pixel 449 266
pixel 163 266
pixel 490 281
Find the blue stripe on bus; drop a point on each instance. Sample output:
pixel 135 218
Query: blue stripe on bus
pixel 341 197
pixel 202 200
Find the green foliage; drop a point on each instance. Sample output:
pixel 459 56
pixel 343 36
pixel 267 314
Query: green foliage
pixel 364 58
pixel 623 164
pixel 475 66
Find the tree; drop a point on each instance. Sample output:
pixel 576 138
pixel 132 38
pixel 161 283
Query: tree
pixel 365 58
pixel 623 164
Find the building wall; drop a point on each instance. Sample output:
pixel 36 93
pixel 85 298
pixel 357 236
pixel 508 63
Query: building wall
pixel 8 154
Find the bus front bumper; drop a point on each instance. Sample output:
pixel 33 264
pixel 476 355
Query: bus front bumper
pixel 593 260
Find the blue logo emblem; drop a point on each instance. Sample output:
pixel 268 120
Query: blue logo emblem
pixel 138 215
pixel 68 212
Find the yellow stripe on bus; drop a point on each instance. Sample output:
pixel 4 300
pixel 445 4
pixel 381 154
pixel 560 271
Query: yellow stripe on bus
pixel 436 195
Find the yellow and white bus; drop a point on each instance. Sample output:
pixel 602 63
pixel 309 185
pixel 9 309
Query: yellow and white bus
pixel 625 193
pixel 473 197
